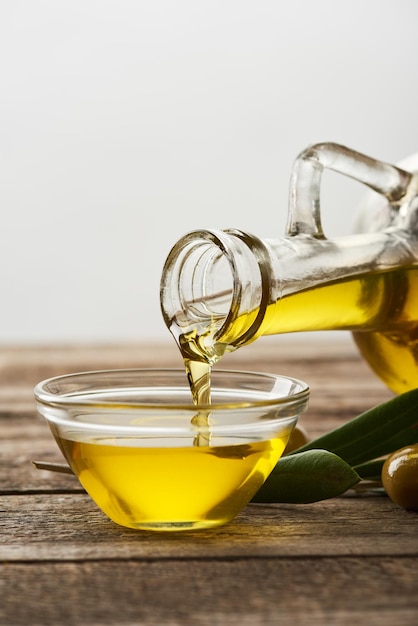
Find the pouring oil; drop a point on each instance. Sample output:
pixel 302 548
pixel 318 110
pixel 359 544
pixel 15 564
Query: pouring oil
pixel 204 482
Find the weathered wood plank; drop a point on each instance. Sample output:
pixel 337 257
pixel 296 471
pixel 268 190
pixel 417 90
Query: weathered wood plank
pixel 70 527
pixel 235 592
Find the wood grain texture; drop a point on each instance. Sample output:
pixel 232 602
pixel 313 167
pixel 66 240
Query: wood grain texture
pixel 234 592
pixel 348 560
pixel 60 527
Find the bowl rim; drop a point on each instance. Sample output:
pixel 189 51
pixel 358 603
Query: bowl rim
pixel 48 398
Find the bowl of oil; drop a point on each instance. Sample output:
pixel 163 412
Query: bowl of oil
pixel 152 459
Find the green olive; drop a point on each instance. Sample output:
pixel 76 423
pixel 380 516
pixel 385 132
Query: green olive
pixel 400 477
pixel 298 438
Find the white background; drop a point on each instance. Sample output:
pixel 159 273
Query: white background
pixel 124 124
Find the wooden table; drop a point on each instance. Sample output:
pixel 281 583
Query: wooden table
pixel 351 560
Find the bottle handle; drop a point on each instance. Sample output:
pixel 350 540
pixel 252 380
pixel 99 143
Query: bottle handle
pixel 304 217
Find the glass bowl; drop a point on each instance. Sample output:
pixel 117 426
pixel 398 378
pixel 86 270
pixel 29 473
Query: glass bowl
pixel 151 459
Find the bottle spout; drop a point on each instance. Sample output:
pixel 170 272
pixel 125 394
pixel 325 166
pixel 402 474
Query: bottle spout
pixel 213 281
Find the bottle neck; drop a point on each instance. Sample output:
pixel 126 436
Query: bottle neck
pixel 215 288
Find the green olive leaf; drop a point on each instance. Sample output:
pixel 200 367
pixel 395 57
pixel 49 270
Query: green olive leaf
pixel 307 477
pixel 375 433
